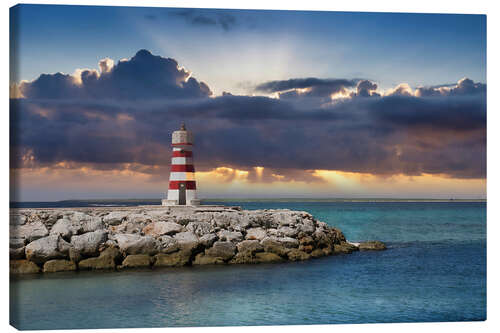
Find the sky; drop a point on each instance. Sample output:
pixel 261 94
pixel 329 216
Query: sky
pixel 282 103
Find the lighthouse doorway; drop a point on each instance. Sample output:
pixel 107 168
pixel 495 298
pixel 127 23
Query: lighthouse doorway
pixel 182 193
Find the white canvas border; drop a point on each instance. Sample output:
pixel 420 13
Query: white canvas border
pixel 493 182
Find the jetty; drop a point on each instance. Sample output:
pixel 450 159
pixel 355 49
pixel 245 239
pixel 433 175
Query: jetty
pixel 116 238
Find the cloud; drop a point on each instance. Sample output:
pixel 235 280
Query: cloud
pixel 106 64
pixel 457 113
pixel 226 21
pixel 203 19
pixel 333 85
pixel 144 76
pixel 311 92
pixel 366 88
pixel 396 133
pixel 402 89
pixel 51 86
pixel 463 87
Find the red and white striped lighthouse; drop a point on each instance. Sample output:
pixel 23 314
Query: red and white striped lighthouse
pixel 182 185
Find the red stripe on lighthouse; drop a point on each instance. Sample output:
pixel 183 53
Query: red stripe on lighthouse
pixel 182 144
pixel 185 153
pixel 174 184
pixel 182 168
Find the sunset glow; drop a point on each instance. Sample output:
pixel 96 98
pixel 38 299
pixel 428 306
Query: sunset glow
pixel 225 182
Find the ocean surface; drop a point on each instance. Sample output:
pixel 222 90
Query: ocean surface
pixel 434 270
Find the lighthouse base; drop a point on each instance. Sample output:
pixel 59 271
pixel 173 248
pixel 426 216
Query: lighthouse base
pixel 192 202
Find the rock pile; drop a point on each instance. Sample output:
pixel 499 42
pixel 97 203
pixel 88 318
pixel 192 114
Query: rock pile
pixel 52 240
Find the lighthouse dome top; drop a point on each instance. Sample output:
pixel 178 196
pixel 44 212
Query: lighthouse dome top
pixel 182 136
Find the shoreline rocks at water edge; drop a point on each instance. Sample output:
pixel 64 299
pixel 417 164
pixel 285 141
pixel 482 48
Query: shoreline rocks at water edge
pixel 114 238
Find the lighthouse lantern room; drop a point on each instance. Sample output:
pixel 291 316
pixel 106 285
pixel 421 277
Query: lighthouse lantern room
pixel 182 184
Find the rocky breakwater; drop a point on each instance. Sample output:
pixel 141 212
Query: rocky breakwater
pixel 53 240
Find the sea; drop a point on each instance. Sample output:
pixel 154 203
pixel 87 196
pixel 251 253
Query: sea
pixel 434 270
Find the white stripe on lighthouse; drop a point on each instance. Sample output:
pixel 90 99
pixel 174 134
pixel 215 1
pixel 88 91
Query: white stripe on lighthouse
pixel 182 176
pixel 182 160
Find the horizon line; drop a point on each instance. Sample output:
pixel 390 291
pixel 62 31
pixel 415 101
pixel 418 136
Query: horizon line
pixel 273 199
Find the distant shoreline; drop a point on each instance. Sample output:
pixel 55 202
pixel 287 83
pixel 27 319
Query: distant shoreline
pixel 347 200
pixel 267 200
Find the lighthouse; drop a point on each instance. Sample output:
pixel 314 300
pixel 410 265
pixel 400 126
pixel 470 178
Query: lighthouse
pixel 182 184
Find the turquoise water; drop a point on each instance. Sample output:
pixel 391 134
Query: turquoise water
pixel 434 270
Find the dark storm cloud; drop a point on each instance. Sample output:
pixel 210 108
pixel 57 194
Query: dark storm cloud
pixel 456 113
pixel 144 76
pixel 307 90
pixel 322 85
pixel 243 109
pixel 439 134
pixel 198 18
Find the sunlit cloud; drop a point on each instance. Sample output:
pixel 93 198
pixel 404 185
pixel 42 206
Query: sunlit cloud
pixel 402 89
pixel 77 75
pixel 14 91
pixel 344 93
pixel 106 64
